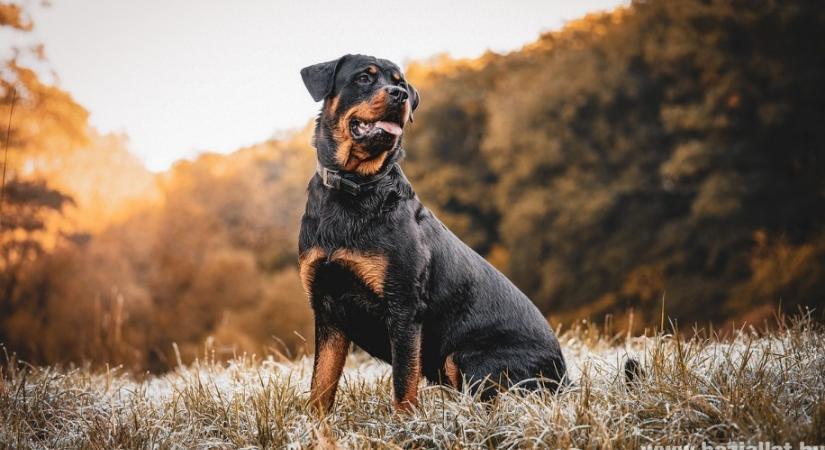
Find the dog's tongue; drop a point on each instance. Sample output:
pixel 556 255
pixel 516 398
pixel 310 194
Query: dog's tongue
pixel 389 127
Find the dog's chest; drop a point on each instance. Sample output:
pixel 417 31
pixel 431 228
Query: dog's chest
pixel 343 237
pixel 318 269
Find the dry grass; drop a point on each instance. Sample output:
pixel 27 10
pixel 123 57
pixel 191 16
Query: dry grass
pixel 751 387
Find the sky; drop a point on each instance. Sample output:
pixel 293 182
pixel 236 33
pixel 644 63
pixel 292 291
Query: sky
pixel 180 77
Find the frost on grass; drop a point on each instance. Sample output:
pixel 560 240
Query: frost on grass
pixel 752 387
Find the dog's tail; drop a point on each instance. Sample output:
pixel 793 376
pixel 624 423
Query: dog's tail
pixel 633 376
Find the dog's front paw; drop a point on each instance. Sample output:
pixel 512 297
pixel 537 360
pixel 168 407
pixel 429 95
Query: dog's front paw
pixel 405 406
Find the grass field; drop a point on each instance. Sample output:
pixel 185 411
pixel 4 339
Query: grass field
pixel 750 387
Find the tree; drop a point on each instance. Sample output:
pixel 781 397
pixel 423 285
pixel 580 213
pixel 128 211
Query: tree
pixel 637 153
pixel 45 121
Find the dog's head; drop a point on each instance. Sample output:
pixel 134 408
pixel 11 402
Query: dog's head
pixel 367 103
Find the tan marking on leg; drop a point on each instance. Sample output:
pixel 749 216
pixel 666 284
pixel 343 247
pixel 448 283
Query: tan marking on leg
pixel 410 399
pixel 308 263
pixel 329 364
pixel 371 268
pixel 451 370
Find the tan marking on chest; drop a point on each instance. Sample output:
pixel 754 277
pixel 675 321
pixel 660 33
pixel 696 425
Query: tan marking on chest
pixel 371 268
pixel 308 264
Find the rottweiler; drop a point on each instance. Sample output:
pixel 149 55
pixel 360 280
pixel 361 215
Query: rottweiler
pixel 381 271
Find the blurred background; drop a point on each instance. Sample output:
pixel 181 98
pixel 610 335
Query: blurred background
pixel 609 157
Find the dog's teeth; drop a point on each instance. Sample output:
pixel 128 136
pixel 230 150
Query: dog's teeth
pixel 361 127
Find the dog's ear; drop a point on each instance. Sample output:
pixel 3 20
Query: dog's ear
pixel 414 99
pixel 320 78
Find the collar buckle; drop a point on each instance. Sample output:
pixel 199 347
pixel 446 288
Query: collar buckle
pixel 330 178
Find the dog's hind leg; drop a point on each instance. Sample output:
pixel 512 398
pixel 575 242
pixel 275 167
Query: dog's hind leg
pixel 450 373
pixel 488 372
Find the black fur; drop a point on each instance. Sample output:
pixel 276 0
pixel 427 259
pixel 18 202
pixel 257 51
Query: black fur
pixel 437 291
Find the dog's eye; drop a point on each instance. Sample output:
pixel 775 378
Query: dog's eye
pixel 364 78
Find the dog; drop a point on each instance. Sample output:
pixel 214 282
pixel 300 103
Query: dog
pixel 381 271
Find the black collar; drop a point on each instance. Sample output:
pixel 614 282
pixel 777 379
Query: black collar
pixel 337 180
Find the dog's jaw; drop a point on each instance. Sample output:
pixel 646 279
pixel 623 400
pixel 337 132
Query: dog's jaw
pixel 364 154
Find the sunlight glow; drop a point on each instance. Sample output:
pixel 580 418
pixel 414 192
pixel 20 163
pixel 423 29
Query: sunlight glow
pixel 180 77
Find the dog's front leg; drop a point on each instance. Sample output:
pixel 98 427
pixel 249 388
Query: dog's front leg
pixel 331 347
pixel 405 341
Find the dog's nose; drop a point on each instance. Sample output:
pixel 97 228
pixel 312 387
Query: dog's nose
pixel 397 94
